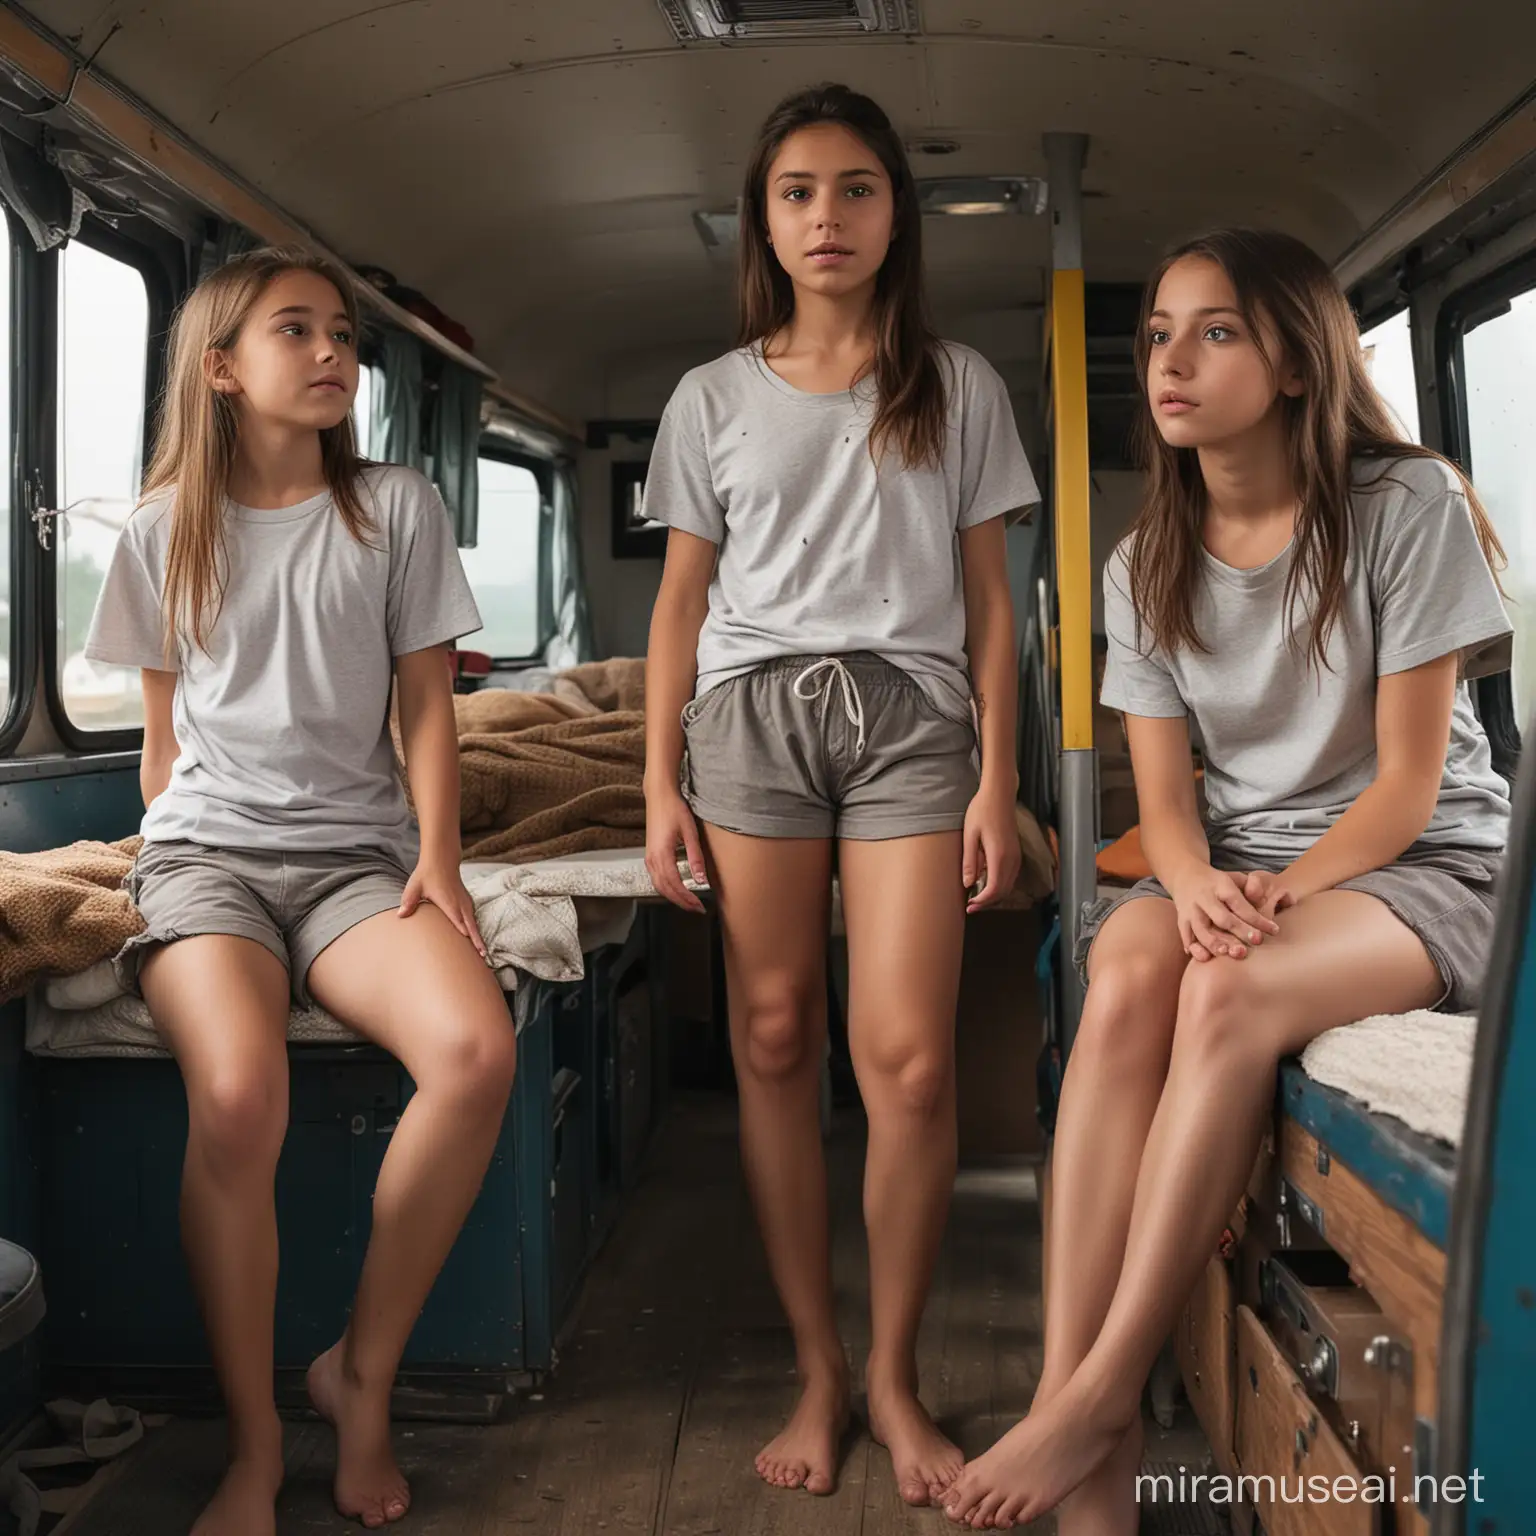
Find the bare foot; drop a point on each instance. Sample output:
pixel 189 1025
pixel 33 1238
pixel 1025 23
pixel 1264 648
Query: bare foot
pixel 244 1503
pixel 805 1454
pixel 369 1486
pixel 1037 1463
pixel 925 1462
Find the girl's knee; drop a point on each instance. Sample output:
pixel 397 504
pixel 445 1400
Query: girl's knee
pixel 1128 1013
pixel 239 1116
pixel 780 1038
pixel 925 1083
pixel 476 1061
pixel 1222 1005
pixel 917 1078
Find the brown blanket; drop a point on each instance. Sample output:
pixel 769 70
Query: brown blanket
pixel 62 910
pixel 539 779
pixel 550 774
pixel 616 684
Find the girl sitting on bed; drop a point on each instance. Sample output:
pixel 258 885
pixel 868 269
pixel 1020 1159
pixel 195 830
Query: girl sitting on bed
pixel 273 588
pixel 1301 596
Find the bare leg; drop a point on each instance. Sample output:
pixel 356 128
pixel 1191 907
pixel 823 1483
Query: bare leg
pixel 905 912
pixel 416 987
pixel 1340 956
pixel 1114 1078
pixel 774 896
pixel 233 1057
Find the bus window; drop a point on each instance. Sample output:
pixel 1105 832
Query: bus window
pixel 6 680
pixel 1500 361
pixel 503 568
pixel 103 341
pixel 1388 351
pixel 362 407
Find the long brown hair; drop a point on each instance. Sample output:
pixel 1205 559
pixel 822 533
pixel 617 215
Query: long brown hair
pixel 911 396
pixel 195 443
pixel 1337 420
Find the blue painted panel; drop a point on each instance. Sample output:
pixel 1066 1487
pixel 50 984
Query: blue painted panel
pixel 36 814
pixel 118 1288
pixel 47 813
pixel 1411 1173
pixel 18 1148
pixel 532 1124
pixel 20 1377
pixel 1504 1357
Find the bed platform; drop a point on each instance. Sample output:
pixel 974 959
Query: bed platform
pixel 1311 1347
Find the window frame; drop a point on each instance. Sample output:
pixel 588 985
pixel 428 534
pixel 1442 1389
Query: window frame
pixel 161 302
pixel 1460 314
pixel 543 472
pixel 1367 320
pixel 16 710
pixel 1379 313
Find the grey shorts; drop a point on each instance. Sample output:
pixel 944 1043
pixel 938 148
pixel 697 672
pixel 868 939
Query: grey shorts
pixel 777 752
pixel 294 904
pixel 1445 895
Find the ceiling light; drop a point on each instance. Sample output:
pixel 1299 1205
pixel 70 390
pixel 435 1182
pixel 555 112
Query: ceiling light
pixel 970 195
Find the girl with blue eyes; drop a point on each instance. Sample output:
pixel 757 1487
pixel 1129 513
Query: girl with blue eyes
pixel 273 589
pixel 831 677
pixel 1303 597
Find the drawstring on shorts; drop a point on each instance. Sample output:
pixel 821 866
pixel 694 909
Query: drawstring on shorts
pixel 820 676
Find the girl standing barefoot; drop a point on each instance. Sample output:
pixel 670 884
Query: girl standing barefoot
pixel 833 619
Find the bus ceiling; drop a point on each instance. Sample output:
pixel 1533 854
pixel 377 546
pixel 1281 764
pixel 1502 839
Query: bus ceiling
pixel 549 173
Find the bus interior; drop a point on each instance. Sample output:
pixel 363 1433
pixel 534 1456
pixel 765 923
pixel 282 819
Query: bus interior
pixel 539 203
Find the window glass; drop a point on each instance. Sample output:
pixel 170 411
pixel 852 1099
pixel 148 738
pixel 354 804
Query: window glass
pixel 103 342
pixel 362 407
pixel 1500 361
pixel 1388 351
pixel 5 472
pixel 503 568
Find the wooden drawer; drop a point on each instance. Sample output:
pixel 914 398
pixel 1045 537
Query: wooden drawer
pixel 1206 1351
pixel 1339 1344
pixel 1291 1464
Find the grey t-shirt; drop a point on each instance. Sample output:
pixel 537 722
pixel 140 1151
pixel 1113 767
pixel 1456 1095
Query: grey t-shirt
pixel 1287 749
pixel 283 722
pixel 821 553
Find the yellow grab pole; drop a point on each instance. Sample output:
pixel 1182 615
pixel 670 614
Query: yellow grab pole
pixel 1074 559
pixel 1077 810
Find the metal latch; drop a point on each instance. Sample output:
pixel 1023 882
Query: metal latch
pixel 43 518
pixel 1309 1210
pixel 1388 1354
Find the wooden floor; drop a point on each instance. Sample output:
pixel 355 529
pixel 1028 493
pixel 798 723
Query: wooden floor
pixel 677 1369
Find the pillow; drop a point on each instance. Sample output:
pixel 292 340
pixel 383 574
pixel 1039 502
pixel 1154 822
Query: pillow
pixel 1123 862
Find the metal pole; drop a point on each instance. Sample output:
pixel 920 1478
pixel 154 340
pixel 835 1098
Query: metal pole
pixel 1078 801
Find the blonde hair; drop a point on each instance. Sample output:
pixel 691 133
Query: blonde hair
pixel 198 430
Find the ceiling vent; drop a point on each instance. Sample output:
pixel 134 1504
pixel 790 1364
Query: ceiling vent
pixel 765 20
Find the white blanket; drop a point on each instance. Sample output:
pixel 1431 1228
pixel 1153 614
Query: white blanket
pixel 1415 1066
pixel 537 920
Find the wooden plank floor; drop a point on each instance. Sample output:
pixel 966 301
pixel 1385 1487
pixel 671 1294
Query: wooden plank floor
pixel 677 1369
